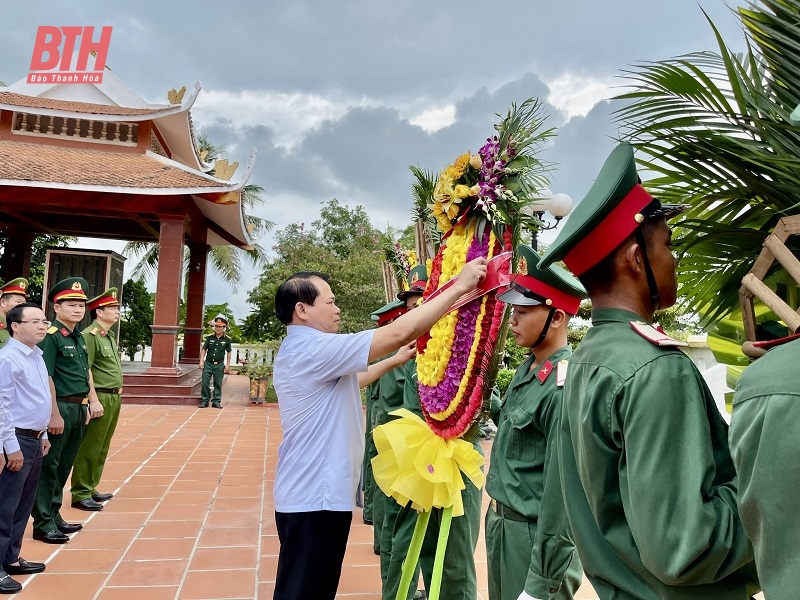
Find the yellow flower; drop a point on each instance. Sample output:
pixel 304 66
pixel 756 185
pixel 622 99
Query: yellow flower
pixel 475 161
pixel 460 165
pixel 462 191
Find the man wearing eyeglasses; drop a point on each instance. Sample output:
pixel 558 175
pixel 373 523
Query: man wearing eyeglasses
pixel 25 404
pixel 106 368
pixel 13 293
pixel 215 360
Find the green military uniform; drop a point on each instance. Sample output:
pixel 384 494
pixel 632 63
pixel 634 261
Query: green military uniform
pixel 528 546
pixel 382 316
pixel 648 480
pixel 104 362
pixel 15 286
pixel 64 354
pixel 216 348
pixel 459 578
pixel 766 449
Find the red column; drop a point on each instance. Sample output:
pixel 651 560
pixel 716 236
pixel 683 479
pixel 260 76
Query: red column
pixel 17 255
pixel 168 288
pixel 195 303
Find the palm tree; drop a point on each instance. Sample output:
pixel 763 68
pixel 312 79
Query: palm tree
pixel 227 261
pixel 713 129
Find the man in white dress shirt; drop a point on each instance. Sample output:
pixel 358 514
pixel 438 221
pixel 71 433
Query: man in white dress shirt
pixel 25 405
pixel 317 377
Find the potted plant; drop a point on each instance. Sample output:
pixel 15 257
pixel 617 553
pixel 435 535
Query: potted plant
pixel 259 374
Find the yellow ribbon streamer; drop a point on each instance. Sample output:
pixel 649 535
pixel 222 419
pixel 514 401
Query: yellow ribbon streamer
pixel 414 464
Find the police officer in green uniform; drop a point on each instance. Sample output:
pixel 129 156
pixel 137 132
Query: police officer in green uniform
pixel 11 294
pixel 766 451
pixel 383 316
pixel 106 369
pixel 64 353
pixel 528 545
pixel 215 360
pixel 648 480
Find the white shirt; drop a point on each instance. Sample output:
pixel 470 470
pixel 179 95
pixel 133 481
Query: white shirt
pixel 25 400
pixel 319 460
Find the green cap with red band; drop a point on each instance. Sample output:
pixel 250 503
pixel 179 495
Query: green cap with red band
pixel 72 288
pixel 15 286
pixel 390 311
pixel 611 211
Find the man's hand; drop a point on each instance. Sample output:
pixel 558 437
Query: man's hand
pixel 405 353
pixel 201 364
pixel 471 275
pixel 226 370
pixel 56 424
pixel 95 409
pixel 14 460
pixel 45 446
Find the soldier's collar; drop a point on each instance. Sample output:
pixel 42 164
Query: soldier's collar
pixel 615 315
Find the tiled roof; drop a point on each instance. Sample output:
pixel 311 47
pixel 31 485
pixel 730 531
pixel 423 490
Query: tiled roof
pixel 54 164
pixel 21 101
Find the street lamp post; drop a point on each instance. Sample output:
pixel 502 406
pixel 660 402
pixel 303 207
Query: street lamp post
pixel 557 205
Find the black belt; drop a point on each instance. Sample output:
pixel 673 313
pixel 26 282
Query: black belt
pixel 107 390
pixel 73 399
pixel 34 433
pixel 507 513
pixel 215 362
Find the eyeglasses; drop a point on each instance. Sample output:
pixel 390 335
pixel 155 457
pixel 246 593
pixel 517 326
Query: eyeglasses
pixel 37 322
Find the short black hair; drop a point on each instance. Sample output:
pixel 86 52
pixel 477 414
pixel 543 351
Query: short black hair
pixel 15 314
pixel 298 288
pixel 601 277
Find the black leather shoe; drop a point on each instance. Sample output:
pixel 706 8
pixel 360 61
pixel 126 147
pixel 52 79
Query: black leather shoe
pixel 203 405
pixel 87 504
pixel 50 537
pixel 69 527
pixel 8 585
pixel 102 497
pixel 216 405
pixel 24 568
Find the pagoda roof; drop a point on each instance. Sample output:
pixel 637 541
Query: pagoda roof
pixel 86 110
pixel 56 167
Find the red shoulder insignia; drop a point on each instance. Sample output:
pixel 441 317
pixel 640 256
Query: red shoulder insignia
pixel 103 332
pixel 545 371
pixel 64 332
pixel 2 325
pixel 652 335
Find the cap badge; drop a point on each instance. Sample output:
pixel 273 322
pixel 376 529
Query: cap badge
pixel 22 285
pixel 76 286
pixel 522 265
pixel 414 278
pixel 114 295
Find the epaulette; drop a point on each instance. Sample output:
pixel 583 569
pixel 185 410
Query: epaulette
pixel 654 336
pixel 561 372
pixel 93 330
pixel 52 329
pixel 544 371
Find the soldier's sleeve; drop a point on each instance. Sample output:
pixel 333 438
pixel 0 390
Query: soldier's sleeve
pixel 766 452
pixel 91 347
pixel 410 388
pixel 228 346
pixel 49 348
pixel 553 549
pixel 680 502
pixel 495 403
pixel 205 343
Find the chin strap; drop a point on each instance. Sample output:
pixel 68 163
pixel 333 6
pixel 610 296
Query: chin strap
pixel 546 327
pixel 655 297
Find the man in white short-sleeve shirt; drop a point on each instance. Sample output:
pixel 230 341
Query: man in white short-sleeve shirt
pixel 317 377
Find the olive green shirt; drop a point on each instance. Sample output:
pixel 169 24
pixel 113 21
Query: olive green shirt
pixel 390 396
pixel 4 334
pixel 523 472
pixel 649 484
pixel 765 443
pixel 216 348
pixel 64 354
pixel 103 356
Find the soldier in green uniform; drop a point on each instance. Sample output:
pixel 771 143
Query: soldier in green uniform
pixel 766 451
pixel 383 316
pixel 11 294
pixel 215 360
pixel 649 484
pixel 64 353
pixel 529 550
pixel 106 369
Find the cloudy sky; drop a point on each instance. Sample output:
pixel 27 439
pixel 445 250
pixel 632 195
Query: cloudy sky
pixel 339 98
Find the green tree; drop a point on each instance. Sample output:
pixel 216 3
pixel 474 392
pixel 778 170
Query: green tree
pixel 39 260
pixel 712 129
pixel 342 243
pixel 137 316
pixel 212 310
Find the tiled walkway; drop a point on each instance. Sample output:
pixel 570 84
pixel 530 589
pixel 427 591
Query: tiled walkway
pixel 192 515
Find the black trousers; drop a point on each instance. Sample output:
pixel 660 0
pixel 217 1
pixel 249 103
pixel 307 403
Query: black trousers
pixel 17 492
pixel 311 554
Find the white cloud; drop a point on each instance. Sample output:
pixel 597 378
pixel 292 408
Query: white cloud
pixel 575 95
pixel 290 115
pixel 434 119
